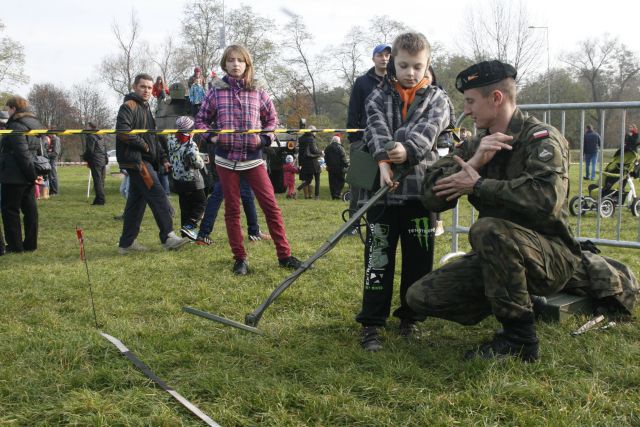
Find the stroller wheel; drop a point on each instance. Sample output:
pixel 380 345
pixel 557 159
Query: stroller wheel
pixel 574 205
pixel 346 196
pixel 607 208
pixel 635 206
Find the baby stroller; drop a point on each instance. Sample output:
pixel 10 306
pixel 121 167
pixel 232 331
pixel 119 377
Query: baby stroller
pixel 610 192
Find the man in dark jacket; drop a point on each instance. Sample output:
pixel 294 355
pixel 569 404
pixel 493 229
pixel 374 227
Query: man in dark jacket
pixel 337 164
pixel 357 116
pixel 95 154
pixel 18 177
pixel 591 148
pixel 139 155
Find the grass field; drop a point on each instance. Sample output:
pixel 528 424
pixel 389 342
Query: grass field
pixel 307 369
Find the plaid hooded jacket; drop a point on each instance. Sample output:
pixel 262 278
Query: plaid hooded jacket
pixel 228 105
pixel 428 115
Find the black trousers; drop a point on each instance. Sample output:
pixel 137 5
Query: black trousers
pixel 18 198
pixel 413 225
pixel 53 177
pixel 336 184
pixel 98 174
pixel 192 205
pixel 139 197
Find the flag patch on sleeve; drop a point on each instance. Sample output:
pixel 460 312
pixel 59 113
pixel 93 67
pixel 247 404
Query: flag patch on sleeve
pixel 541 134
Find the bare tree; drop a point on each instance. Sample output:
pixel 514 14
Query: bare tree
pixel 297 40
pixel 201 24
pixel 606 66
pixel 383 29
pixel 119 70
pixel 502 32
pixel 349 56
pixel 11 62
pixel 171 60
pixel 90 105
pixel 247 28
pixel 52 106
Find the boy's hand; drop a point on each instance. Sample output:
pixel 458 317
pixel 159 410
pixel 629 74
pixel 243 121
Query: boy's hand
pixel 167 166
pixel 386 177
pixel 398 154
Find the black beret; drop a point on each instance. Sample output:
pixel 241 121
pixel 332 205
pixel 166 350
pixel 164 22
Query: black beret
pixel 484 74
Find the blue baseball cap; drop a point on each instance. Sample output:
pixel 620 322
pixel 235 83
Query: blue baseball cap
pixel 381 48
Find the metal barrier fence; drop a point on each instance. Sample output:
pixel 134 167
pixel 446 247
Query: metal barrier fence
pixel 602 204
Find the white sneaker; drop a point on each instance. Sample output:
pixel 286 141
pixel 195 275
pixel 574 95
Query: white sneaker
pixel 439 228
pixel 174 242
pixel 135 247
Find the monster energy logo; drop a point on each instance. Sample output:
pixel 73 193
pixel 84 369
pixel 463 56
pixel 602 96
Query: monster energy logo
pixel 421 231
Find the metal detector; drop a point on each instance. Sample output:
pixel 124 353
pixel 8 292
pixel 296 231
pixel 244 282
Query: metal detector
pixel 252 319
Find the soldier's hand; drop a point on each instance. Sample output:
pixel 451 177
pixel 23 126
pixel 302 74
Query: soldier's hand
pixel 459 183
pixel 488 147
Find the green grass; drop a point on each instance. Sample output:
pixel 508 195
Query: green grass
pixel 308 368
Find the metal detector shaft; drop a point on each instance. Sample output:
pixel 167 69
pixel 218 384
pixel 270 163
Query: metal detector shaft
pixel 253 318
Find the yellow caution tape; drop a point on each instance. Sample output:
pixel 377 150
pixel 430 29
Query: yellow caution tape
pixel 168 131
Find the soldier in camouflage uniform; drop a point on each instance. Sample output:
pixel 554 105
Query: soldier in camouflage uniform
pixel 515 173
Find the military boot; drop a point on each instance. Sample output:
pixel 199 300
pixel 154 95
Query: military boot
pixel 517 338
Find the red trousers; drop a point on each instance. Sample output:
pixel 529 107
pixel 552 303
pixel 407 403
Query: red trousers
pixel 261 185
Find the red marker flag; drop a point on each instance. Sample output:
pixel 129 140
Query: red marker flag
pixel 80 236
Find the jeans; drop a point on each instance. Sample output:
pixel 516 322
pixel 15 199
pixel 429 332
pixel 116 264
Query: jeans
pixel 591 159
pixel 215 200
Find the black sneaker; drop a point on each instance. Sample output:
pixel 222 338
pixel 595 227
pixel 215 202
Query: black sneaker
pixel 500 348
pixel 408 329
pixel 370 340
pixel 291 262
pixel 240 267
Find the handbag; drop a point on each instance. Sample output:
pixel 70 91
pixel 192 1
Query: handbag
pixel 41 163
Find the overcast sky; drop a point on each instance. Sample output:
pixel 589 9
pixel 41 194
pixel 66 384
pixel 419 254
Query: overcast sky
pixel 65 40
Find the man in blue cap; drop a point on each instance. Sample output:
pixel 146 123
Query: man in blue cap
pixel 356 116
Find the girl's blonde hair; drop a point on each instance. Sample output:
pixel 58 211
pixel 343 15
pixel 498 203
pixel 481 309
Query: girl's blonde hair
pixel 248 72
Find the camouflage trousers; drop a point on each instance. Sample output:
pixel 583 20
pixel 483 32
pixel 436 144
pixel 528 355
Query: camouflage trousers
pixel 508 262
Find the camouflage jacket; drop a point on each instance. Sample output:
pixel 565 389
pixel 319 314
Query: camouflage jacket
pixel 427 117
pixel 527 185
